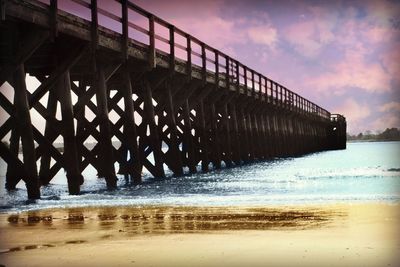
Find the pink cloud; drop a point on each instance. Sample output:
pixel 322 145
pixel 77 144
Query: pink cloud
pixel 309 36
pixel 264 34
pixel 353 71
pixel 381 34
pixel 391 106
pixel 385 121
pixel 354 113
pixel 381 12
pixel 390 60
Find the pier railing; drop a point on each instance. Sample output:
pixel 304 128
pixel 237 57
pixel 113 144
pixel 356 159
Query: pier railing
pixel 143 28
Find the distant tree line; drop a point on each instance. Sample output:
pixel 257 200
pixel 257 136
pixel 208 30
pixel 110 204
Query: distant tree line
pixel 390 134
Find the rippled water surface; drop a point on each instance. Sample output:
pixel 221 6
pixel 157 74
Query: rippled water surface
pixel 362 172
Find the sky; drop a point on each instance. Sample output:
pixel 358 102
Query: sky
pixel 342 55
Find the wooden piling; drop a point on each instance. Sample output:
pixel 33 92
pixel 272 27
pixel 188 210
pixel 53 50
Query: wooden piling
pixel 106 156
pixel 204 138
pixel 24 125
pixel 13 174
pixel 227 143
pixel 175 154
pixel 134 165
pixel 190 153
pixel 71 162
pixel 236 135
pixel 49 134
pixel 216 159
pixel 154 136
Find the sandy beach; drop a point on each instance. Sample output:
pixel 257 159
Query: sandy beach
pixel 326 235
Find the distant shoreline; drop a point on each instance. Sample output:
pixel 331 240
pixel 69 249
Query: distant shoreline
pixel 370 140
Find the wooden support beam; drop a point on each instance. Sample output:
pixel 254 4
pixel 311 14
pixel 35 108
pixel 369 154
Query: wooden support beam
pixel 94 31
pixel 203 63
pixel 188 143
pixel 251 140
pixel 2 10
pixel 172 48
pixel 215 138
pixel 125 32
pixel 204 138
pixel 175 153
pixel 63 66
pixel 11 159
pixel 85 98
pixel 188 90
pixel 50 134
pixel 106 156
pixel 256 135
pixel 227 143
pixel 71 161
pixel 237 140
pixel 80 127
pixel 189 57
pixel 14 173
pixel 154 136
pixel 135 164
pixel 31 43
pixel 265 137
pixel 25 128
pixel 53 18
pixel 152 46
pixel 243 135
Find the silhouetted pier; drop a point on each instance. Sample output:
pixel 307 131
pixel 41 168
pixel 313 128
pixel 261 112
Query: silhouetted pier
pixel 168 98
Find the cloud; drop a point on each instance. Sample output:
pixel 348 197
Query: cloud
pixel 378 35
pixel 386 121
pixel 355 113
pixel 390 60
pixel 383 13
pixel 391 106
pixel 309 36
pixel 354 71
pixel 265 35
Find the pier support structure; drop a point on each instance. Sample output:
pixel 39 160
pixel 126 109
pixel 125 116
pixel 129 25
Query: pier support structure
pixel 104 99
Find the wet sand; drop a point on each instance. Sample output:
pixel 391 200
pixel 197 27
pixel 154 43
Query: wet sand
pixel 326 235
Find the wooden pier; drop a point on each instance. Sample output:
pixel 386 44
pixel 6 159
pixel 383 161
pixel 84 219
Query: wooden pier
pixel 169 99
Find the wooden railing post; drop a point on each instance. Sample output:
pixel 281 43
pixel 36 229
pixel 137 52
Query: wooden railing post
pixel 125 33
pixel 189 56
pixel 245 80
pixel 172 48
pixel 253 88
pixel 152 42
pixel 203 63
pixel 228 76
pixel 216 68
pixel 2 10
pixel 237 77
pixel 94 25
pixel 53 18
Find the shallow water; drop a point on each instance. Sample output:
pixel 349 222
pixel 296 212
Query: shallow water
pixel 363 172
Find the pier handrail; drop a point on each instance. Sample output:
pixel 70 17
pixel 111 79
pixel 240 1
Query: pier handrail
pixel 209 59
pixel 337 118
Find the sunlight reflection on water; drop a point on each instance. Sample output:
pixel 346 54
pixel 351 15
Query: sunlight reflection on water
pixel 363 172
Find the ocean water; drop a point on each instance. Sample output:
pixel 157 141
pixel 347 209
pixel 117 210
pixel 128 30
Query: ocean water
pixel 363 172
